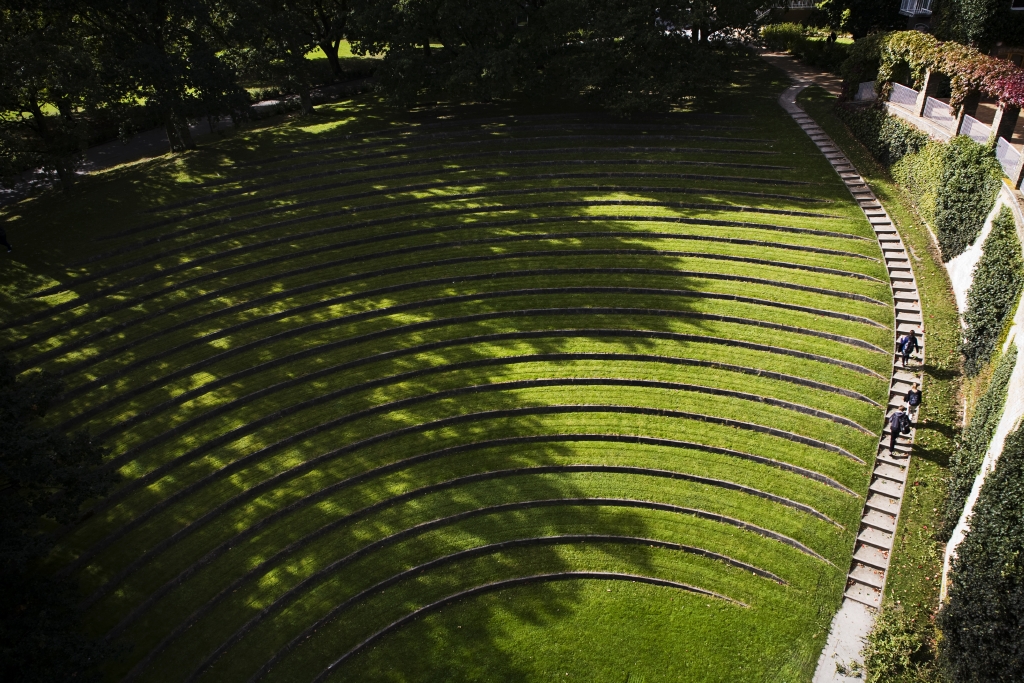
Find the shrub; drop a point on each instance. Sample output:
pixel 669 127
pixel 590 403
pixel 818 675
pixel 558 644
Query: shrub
pixel 921 174
pixel 970 181
pixel 783 36
pixel 887 138
pixel 897 648
pixel 992 299
pixel 973 443
pixel 983 622
pixel 861 63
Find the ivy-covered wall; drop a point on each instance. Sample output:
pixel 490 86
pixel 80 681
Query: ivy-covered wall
pixel 983 622
pixel 973 442
pixel 994 294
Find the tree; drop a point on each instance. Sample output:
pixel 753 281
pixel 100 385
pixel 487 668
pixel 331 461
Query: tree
pixel 622 54
pixel 167 54
pixel 47 85
pixel 272 38
pixel 44 475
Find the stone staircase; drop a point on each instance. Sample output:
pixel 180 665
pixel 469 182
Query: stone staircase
pixel 865 582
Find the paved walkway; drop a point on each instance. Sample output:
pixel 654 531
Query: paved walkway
pixel 865 583
pixel 803 74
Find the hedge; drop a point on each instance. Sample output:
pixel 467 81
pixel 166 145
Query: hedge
pixel 954 184
pixel 992 299
pixel 983 623
pixel 888 138
pixel 970 181
pixel 973 443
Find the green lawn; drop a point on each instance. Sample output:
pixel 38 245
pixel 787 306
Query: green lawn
pixel 352 366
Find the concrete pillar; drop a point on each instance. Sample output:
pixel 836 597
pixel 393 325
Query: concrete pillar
pixel 928 88
pixel 1005 121
pixel 1018 173
pixel 969 108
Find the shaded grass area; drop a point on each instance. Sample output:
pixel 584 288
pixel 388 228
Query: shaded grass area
pixel 314 384
pixel 915 570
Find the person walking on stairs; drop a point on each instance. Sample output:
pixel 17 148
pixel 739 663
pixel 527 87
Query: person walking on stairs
pixel 913 401
pixel 907 345
pixel 898 423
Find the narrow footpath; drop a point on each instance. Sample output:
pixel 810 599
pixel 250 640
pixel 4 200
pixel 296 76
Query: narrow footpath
pixel 841 658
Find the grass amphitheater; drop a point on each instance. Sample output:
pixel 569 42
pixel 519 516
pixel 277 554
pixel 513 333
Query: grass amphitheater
pixel 495 395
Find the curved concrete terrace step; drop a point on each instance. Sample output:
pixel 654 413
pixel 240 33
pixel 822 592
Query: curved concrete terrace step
pixel 377 237
pixel 254 457
pixel 338 610
pixel 285 553
pixel 681 338
pixel 488 588
pixel 460 180
pixel 112 584
pixel 98 407
pixel 326 492
pixel 865 584
pixel 286 292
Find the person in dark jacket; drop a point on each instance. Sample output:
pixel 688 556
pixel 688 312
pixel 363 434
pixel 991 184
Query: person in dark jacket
pixel 897 422
pixel 3 241
pixel 908 345
pixel 913 401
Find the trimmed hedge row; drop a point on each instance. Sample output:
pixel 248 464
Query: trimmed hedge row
pixel 994 293
pixel 278 277
pixel 970 450
pixel 888 138
pixel 283 555
pixel 982 624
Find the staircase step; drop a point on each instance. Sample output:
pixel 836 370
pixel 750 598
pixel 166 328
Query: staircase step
pixel 871 556
pixel 883 503
pixel 886 488
pixel 876 538
pixel 879 520
pixel 858 592
pixel 868 575
pixel 887 471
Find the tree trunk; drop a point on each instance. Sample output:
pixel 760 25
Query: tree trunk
pixel 307 102
pixel 172 136
pixel 66 173
pixel 330 49
pixel 185 134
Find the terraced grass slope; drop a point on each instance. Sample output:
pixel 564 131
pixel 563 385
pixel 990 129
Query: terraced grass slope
pixel 501 398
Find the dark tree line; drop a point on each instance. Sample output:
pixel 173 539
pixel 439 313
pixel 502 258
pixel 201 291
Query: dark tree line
pixel 45 477
pixel 67 65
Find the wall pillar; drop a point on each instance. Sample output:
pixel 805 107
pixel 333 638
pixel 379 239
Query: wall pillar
pixel 1017 177
pixel 1005 121
pixel 928 88
pixel 969 108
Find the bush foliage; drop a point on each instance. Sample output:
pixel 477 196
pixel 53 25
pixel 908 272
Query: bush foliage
pixel 886 137
pixel 973 442
pixel 898 648
pixel 970 181
pixel 994 293
pixel 983 622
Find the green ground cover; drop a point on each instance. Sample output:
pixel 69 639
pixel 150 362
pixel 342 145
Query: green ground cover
pixel 348 372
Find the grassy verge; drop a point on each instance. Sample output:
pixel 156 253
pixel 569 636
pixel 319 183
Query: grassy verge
pixel 916 563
